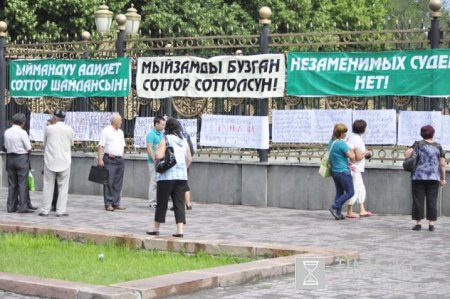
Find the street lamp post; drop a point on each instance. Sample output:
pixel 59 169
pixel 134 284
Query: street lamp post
pixel 236 109
pixel 3 27
pixel 120 50
pixel 435 40
pixel 85 36
pixel 168 101
pixel 133 21
pixel 126 24
pixel 264 20
pixel 103 18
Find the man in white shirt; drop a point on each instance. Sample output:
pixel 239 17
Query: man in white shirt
pixel 18 147
pixel 110 155
pixel 58 141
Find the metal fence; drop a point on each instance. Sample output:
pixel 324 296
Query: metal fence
pixel 311 39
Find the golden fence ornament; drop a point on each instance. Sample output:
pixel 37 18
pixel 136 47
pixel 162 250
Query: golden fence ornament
pixel 189 107
pixel 402 101
pixel 52 103
pixel 99 103
pixel 291 101
pixel 346 103
pixel 131 105
pixel 7 97
pixel 36 105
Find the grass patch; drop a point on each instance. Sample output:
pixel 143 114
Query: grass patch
pixel 48 256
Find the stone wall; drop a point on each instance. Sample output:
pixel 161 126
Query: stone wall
pixel 285 185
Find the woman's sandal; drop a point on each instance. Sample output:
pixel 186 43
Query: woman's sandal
pixel 368 214
pixel 353 216
pixel 177 235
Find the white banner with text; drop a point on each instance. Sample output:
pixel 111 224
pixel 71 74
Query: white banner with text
pixel 257 76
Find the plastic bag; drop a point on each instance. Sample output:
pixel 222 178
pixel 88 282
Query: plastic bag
pixel 31 185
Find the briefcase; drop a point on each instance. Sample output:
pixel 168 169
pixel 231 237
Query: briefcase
pixel 98 175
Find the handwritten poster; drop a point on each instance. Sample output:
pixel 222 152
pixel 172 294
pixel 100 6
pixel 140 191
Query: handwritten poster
pixel 87 125
pixel 292 126
pixel 410 122
pixel 445 132
pixel 143 125
pixel 97 121
pixel 323 122
pixel 235 131
pixel 38 123
pixel 381 125
pixel 190 126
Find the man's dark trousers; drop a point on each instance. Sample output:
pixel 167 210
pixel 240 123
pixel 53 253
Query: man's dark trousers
pixel 112 191
pixel 17 167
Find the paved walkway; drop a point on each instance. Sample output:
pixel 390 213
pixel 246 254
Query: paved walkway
pixel 396 262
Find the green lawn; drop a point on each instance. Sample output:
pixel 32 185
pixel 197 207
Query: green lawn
pixel 47 256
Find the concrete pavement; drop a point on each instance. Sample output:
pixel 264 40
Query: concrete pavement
pixel 396 262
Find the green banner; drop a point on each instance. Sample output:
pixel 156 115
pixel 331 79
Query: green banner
pixel 70 78
pixel 413 73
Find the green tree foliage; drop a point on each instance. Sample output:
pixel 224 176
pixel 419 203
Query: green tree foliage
pixel 318 15
pixel 193 17
pixel 408 13
pixel 57 18
pixel 289 14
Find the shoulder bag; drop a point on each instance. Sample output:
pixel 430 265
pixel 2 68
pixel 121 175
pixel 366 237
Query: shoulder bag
pixel 410 163
pixel 325 164
pixel 168 161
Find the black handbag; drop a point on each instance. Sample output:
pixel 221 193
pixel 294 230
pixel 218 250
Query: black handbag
pixel 410 163
pixel 169 160
pixel 98 175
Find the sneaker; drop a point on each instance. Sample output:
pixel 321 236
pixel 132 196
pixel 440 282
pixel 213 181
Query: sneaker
pixel 417 227
pixel 431 228
pixel 334 212
pixel 152 205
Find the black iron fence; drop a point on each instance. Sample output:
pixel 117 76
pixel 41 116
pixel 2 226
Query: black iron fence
pixel 413 37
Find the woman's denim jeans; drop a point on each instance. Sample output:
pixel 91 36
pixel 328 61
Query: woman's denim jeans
pixel 344 188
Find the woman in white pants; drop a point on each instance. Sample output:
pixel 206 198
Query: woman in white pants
pixel 356 143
